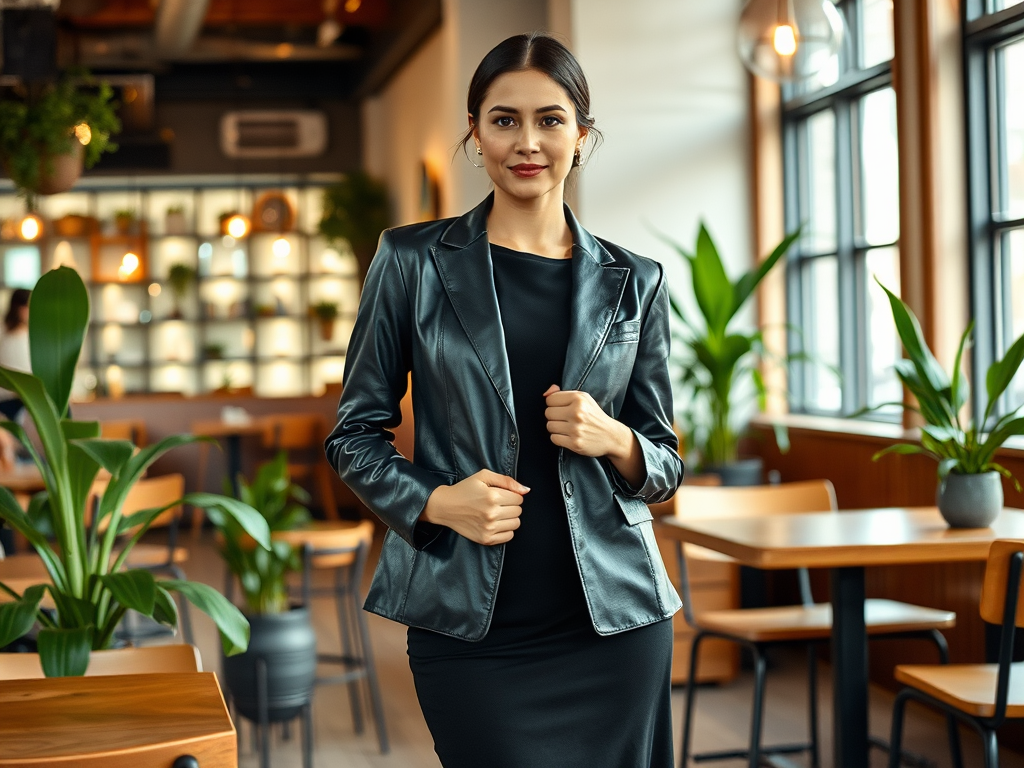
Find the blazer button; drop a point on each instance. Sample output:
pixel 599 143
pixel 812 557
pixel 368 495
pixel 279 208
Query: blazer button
pixel 568 489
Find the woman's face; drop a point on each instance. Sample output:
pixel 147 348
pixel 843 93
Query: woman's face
pixel 528 134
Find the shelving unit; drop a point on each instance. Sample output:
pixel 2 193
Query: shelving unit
pixel 244 321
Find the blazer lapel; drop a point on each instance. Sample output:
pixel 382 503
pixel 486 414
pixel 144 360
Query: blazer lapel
pixel 596 292
pixel 463 260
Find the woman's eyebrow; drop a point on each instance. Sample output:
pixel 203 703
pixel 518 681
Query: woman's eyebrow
pixel 514 111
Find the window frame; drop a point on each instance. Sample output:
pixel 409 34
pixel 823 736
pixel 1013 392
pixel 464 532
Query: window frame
pixel 850 250
pixel 983 32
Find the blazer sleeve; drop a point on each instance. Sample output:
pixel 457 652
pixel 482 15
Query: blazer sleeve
pixel 647 406
pixel 361 447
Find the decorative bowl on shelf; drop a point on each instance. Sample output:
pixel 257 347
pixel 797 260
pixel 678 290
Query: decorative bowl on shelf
pixel 75 225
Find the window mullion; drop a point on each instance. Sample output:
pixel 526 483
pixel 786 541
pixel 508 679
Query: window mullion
pixel 845 228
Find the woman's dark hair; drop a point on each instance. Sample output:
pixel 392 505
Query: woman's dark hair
pixel 533 51
pixel 19 299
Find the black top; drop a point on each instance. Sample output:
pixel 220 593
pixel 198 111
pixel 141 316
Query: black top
pixel 540 591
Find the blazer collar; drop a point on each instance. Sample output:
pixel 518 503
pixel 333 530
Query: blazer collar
pixel 463 260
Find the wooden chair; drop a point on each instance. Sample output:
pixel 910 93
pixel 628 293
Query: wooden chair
pixel 125 429
pixel 120 661
pixel 982 695
pixel 807 623
pixel 163 559
pixel 305 433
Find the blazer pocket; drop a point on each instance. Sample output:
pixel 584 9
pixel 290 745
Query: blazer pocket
pixel 626 331
pixel 635 510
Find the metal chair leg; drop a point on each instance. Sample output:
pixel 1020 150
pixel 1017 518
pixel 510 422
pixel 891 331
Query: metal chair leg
pixel 263 704
pixel 345 632
pixel 896 737
pixel 756 715
pixel 307 736
pixel 370 667
pixel 955 751
pixel 812 704
pixel 991 746
pixel 691 693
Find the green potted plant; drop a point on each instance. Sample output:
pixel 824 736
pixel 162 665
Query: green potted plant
pixel 124 220
pixel 174 220
pixel 180 276
pixel 282 636
pixel 87 584
pixel 51 131
pixel 326 312
pixel 356 210
pixel 970 491
pixel 713 355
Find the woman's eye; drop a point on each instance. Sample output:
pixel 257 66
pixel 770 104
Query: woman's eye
pixel 550 121
pixel 504 122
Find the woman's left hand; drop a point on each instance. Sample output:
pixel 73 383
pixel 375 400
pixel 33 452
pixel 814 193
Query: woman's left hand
pixel 576 422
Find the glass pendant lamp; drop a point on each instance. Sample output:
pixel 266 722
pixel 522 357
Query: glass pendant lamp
pixel 789 40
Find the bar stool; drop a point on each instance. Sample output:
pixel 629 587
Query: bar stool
pixel 342 546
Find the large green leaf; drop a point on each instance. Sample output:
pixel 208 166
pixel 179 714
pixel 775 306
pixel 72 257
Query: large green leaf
pixel 12 512
pixel 233 626
pixel 164 609
pixel 134 589
pixel 747 284
pixel 82 468
pixel 929 371
pixel 65 652
pixel 112 455
pixel 73 611
pixel 960 390
pixel 58 317
pixel 1001 373
pixel 18 616
pixel 252 522
pixel 711 286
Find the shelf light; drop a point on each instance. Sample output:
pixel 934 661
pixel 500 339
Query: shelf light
pixel 238 226
pixel 282 248
pixel 30 227
pixel 129 264
pixel 83 133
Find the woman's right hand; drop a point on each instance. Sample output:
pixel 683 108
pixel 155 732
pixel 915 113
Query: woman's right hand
pixel 485 507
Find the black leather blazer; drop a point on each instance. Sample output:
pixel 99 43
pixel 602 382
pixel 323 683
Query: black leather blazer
pixel 429 306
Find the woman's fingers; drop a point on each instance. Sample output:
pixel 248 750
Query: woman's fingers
pixel 494 480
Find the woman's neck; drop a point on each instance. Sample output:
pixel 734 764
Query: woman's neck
pixel 534 226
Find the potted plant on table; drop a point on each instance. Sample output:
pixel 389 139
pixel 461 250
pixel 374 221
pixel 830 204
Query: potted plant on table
pixel 49 132
pixel 714 356
pixel 174 220
pixel 124 221
pixel 326 312
pixel 282 638
pixel 970 491
pixel 90 590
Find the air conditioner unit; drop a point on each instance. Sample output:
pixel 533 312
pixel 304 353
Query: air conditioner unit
pixel 273 133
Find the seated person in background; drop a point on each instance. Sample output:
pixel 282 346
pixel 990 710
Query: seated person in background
pixel 14 351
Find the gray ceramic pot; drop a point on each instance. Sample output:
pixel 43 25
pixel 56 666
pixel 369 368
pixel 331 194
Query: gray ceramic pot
pixel 970 501
pixel 287 644
pixel 741 472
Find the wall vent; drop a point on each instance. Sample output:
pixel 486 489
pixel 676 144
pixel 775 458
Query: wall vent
pixel 273 133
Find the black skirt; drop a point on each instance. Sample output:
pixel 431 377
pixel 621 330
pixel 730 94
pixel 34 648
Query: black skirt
pixel 543 689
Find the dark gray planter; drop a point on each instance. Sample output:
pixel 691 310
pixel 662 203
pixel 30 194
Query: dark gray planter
pixel 740 472
pixel 970 501
pixel 286 645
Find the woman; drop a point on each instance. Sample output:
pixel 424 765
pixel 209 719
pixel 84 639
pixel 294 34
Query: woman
pixel 520 550
pixel 14 351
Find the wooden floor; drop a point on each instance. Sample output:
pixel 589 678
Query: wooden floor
pixel 721 722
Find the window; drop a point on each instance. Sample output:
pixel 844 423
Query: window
pixel 842 184
pixel 994 56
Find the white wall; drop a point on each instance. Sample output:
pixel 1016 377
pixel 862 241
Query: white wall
pixel 670 95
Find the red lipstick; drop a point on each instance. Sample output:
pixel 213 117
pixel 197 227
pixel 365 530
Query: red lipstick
pixel 527 170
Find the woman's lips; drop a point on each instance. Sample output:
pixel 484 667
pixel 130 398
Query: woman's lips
pixel 527 170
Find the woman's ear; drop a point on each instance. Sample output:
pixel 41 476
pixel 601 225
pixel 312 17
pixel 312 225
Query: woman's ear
pixel 474 131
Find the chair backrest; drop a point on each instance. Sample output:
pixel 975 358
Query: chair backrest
pixel 293 431
pixel 148 493
pixel 993 589
pixel 120 661
pixel 694 501
pixel 125 429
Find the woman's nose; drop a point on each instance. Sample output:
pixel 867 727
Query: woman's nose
pixel 527 142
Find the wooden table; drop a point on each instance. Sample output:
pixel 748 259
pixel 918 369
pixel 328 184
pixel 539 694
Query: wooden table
pixel 115 722
pixel 845 543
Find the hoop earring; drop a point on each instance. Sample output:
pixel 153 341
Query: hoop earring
pixel 479 151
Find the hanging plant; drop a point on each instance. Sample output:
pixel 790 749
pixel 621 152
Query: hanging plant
pixel 41 127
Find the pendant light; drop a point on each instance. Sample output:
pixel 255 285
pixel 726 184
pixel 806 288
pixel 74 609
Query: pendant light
pixel 789 40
